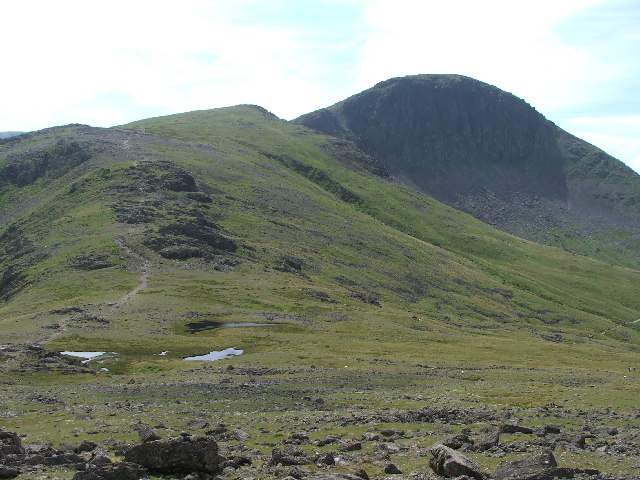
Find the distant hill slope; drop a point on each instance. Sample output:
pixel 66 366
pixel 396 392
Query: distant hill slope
pixel 9 134
pixel 119 239
pixel 488 153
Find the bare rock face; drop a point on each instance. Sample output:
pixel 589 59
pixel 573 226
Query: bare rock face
pixel 449 463
pixel 183 454
pixel 487 152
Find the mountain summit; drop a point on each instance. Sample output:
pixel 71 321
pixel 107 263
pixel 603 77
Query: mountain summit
pixel 489 153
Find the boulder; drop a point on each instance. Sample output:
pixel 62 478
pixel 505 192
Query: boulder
pixel 449 463
pixel 183 454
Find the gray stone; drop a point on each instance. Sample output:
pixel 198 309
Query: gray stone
pixel 183 454
pixel 449 463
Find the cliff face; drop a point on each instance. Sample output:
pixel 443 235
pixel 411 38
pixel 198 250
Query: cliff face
pixel 448 133
pixel 488 153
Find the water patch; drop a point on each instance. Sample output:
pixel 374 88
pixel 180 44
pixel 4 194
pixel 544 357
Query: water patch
pixel 217 355
pixel 88 356
pixel 195 327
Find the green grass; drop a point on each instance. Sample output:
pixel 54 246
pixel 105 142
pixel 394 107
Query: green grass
pixel 469 315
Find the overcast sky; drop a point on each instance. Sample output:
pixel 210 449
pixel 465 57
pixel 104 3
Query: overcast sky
pixel 106 63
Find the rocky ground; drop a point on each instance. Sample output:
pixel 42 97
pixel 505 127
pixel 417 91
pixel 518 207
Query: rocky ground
pixel 255 422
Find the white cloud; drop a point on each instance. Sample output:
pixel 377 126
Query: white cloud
pixel 509 44
pixel 106 63
pixel 156 54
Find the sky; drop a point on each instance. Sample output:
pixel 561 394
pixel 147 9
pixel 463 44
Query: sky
pixel 106 63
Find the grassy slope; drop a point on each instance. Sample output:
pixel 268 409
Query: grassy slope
pixel 443 279
pixel 470 316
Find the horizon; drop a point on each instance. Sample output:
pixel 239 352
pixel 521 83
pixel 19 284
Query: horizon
pixel 575 62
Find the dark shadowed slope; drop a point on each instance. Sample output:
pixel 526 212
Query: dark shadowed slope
pixel 490 154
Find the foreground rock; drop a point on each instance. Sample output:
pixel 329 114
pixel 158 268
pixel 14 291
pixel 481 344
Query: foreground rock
pixel 183 454
pixel 448 463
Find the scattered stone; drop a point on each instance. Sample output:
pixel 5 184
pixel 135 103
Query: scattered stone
pixel 9 472
pixel 457 441
pixel 298 474
pixel 449 463
pixel 526 467
pixel 183 454
pixel 86 446
pixel 146 434
pixel 114 471
pixel 298 438
pixel 350 446
pixel 10 443
pixel 363 297
pixel 392 469
pixel 290 455
pixel 391 432
pixel 545 430
pixel 289 264
pixel 326 459
pixel 362 474
pixel 236 461
pixel 240 435
pixel 326 440
pixel 91 261
pixel 509 428
pixel 486 441
pixel 197 425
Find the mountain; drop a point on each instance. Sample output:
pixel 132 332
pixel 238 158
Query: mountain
pixel 490 154
pixel 354 310
pixel 238 215
pixel 9 134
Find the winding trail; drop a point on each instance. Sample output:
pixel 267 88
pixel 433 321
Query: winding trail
pixel 144 271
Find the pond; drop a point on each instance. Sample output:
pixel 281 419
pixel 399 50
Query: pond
pixel 217 355
pixel 195 327
pixel 88 356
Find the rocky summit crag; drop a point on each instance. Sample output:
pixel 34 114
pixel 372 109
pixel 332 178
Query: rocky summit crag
pixel 488 153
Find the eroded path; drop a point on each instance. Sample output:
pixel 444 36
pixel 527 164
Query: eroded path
pixel 144 271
